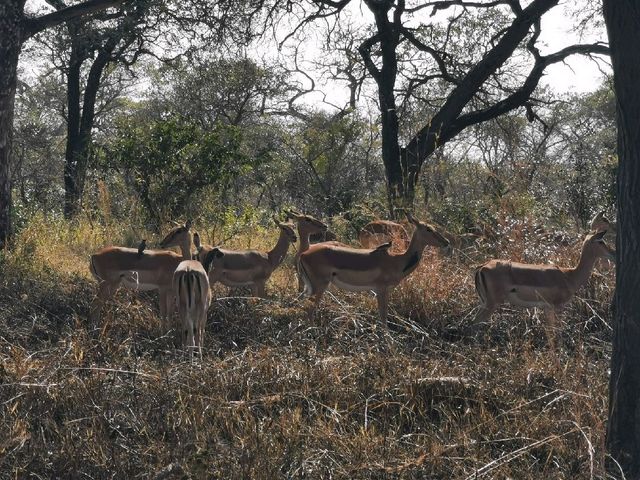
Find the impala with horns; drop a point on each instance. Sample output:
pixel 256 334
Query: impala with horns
pixel 191 290
pixel 364 269
pixel 140 269
pixel 545 286
pixel 252 268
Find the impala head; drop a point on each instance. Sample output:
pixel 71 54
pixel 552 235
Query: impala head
pixel 178 236
pixel 306 223
pixel 595 246
pixel 600 223
pixel 287 229
pixel 199 255
pixel 212 259
pixel 427 233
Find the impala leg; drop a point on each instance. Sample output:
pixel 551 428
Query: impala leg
pixel 167 308
pixel 482 317
pixel 258 289
pixel 382 295
pixel 551 327
pixel 200 327
pixel 106 290
pixel 315 300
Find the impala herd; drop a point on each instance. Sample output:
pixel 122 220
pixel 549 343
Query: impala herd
pixel 185 280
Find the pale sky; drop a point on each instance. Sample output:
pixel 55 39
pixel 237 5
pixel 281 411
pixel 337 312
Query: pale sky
pixel 579 74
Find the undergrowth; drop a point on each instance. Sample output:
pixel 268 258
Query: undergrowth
pixel 277 396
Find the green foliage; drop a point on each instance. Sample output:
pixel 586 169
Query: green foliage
pixel 171 162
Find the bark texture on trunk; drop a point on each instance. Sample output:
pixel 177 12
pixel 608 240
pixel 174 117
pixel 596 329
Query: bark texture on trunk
pixel 623 430
pixel 11 33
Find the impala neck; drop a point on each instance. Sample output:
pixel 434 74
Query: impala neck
pixel 276 254
pixel 410 259
pixel 185 248
pixel 579 275
pixel 304 240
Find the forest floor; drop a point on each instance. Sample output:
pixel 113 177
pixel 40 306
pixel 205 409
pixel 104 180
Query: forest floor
pixel 277 396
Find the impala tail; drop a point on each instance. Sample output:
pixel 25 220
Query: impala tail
pixel 92 268
pixel 186 291
pixel 302 271
pixel 481 286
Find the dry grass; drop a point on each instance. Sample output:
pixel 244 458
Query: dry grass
pixel 277 397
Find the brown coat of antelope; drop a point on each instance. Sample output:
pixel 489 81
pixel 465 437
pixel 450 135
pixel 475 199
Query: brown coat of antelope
pixel 238 268
pixel 307 226
pixel 365 269
pixel 545 286
pixel 599 223
pixel 191 289
pixel 140 270
pixel 383 231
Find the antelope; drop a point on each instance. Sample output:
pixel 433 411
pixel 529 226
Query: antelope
pixel 236 268
pixel 600 222
pixel 545 286
pixel 380 231
pixel 308 226
pixel 358 269
pixel 191 289
pixel 141 270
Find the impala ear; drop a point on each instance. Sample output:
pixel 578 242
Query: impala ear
pixel 214 254
pixel 187 224
pixel 599 237
pixel 275 220
pixel 196 240
pixel 411 218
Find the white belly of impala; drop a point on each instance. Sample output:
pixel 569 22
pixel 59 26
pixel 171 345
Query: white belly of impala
pixel 132 282
pixel 351 287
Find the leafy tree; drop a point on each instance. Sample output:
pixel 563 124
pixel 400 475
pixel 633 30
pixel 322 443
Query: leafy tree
pixel 85 52
pixel 15 29
pixel 170 163
pixel 331 162
pixel 482 62
pixel 38 149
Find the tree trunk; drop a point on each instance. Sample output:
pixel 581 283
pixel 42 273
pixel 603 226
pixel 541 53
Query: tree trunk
pixel 81 113
pixel 10 46
pixel 623 429
pixel 386 79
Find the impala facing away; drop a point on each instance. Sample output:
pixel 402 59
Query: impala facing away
pixel 545 286
pixel 191 289
pixel 364 269
pixel 140 270
pixel 237 268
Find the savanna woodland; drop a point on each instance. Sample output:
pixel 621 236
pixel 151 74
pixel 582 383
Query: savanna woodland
pixel 318 239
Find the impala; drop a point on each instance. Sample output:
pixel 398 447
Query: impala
pixel 191 289
pixel 364 269
pixel 308 226
pixel 237 268
pixel 545 286
pixel 140 270
pixel 382 231
pixel 600 223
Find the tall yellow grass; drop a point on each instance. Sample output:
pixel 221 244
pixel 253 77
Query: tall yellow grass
pixel 278 397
